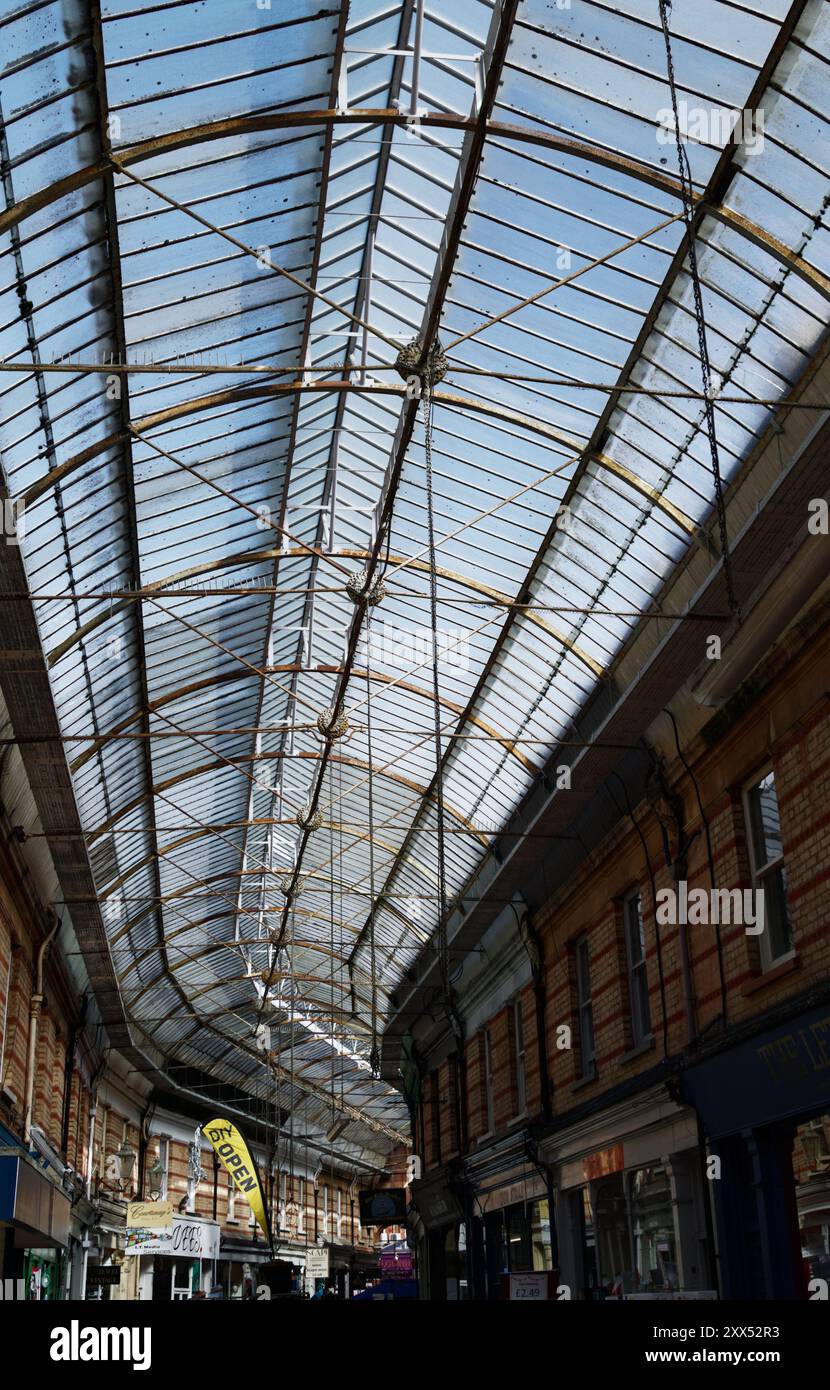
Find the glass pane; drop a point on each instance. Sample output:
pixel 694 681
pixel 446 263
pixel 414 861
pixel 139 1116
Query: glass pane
pixel 652 1225
pixel 765 823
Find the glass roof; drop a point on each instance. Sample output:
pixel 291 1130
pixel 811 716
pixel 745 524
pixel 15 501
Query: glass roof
pixel 232 200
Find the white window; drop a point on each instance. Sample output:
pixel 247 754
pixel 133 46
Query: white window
pixel 585 1007
pixel 635 950
pixel 769 875
pixel 231 1201
pixel 326 1212
pixel 339 1214
pixel 301 1212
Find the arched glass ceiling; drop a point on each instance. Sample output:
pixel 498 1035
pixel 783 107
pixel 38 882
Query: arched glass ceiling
pixel 160 162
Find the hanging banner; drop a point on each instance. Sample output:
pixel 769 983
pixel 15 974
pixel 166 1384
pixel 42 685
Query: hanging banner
pixel 233 1153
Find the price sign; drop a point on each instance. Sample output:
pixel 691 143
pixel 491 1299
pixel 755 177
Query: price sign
pixel 530 1288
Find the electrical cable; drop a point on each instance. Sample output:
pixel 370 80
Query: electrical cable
pixel 374 1055
pixel 653 883
pixel 689 214
pixel 710 856
pixel 443 952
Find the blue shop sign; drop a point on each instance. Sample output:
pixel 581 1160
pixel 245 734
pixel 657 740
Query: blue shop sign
pixel 778 1075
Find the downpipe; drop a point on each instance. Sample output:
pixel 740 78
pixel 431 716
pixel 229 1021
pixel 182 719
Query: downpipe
pixel 35 1006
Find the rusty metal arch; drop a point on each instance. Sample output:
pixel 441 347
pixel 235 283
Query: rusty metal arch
pixel 282 120
pixel 290 668
pixel 201 833
pixel 134 1000
pixel 149 951
pixel 301 1083
pixel 254 556
pixel 181 894
pixel 217 765
pixel 449 398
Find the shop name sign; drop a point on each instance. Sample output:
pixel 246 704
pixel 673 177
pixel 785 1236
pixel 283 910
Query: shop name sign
pixel 98 1275
pixel 165 1233
pixel 199 1239
pixel 602 1164
pixel 317 1264
pixel 793 1056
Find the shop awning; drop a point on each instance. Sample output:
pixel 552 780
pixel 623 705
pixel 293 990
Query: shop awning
pixel 33 1206
pixel 781 1074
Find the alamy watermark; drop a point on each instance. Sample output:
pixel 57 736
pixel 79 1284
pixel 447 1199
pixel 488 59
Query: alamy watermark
pixel 702 906
pixel 712 125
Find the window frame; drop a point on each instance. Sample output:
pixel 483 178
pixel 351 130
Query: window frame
pixel 758 873
pixel 641 1027
pixel 585 1006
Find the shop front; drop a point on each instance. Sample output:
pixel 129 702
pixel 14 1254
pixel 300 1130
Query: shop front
pixel 170 1255
pixel 438 1220
pixel 765 1108
pixel 511 1201
pixel 631 1205
pixel 34 1227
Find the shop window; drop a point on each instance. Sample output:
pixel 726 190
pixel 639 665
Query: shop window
pixel 489 1083
pixel 519 1245
pixel 613 1247
pixel 628 1233
pixel 769 875
pixel 517 1034
pixel 652 1229
pixel 585 1008
pixel 540 1235
pixel 635 949
pixel 811 1168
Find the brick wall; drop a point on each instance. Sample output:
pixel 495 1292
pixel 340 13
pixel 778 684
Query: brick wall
pixel 787 728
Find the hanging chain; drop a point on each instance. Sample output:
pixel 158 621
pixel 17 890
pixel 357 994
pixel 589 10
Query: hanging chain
pixel 687 193
pixel 331 928
pixel 374 1055
pixel 443 950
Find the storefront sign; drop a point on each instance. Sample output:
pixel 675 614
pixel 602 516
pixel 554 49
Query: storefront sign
pixel 234 1155
pixel 199 1240
pixel 675 1296
pixel 98 1275
pixel 778 1075
pixel 317 1263
pixel 171 1234
pixel 529 1189
pixel 529 1288
pixel 149 1228
pixel 396 1263
pixel 153 1216
pixel 603 1163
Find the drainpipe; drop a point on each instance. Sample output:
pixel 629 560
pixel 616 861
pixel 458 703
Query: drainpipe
pixel 35 1005
pixel 93 1111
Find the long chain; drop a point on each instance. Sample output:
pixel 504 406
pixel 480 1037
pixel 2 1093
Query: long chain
pixel 687 191
pixel 331 931
pixel 443 950
pixel 374 1056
